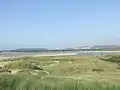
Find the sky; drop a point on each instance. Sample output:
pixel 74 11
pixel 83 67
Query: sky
pixel 58 23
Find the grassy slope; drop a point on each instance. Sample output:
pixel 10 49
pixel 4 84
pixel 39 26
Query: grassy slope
pixel 65 73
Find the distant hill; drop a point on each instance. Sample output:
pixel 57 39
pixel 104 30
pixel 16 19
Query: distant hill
pixel 85 48
pixel 105 46
pixel 29 50
pixel 102 47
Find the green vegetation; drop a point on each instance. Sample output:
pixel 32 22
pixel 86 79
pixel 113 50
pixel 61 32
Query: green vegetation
pixel 61 73
pixel 111 58
pixel 28 82
pixel 21 65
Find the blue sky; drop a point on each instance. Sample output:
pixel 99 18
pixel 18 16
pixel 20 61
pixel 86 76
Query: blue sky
pixel 58 23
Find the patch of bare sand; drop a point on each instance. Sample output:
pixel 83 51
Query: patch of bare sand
pixel 55 54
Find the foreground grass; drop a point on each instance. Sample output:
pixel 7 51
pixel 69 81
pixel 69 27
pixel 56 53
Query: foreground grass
pixel 28 82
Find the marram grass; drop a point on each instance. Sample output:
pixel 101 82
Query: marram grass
pixel 29 82
pixel 75 67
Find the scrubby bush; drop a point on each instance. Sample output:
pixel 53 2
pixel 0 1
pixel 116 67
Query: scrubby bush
pixel 111 58
pixel 5 70
pixel 97 70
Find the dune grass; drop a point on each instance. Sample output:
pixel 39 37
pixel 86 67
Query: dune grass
pixel 28 82
pixel 60 73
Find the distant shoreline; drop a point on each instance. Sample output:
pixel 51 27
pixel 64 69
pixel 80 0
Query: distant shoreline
pixel 7 55
pixel 99 51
